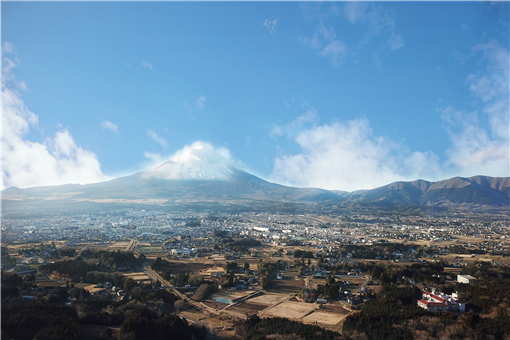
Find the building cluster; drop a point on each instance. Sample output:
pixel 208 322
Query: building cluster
pixel 438 301
pixel 193 230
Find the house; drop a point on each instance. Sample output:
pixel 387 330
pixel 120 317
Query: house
pixel 354 300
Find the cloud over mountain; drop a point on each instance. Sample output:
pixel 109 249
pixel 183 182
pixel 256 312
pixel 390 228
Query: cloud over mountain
pixel 345 155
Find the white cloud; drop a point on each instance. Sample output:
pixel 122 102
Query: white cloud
pixel 162 141
pixel 200 160
pixel 395 41
pixel 310 117
pixel 347 156
pixel 26 164
pixel 275 132
pixel 107 125
pixel 474 149
pixel 7 48
pixel 154 157
pixel 377 21
pixel 355 11
pixel 147 65
pixel 295 126
pixel 336 51
pixel 271 25
pixel 205 153
pixel 200 103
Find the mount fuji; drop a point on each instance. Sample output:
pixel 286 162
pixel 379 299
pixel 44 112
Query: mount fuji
pixel 170 183
pixel 198 178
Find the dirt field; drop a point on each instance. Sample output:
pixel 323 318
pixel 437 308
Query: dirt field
pixel 138 276
pixel 288 285
pixel 324 318
pixel 187 266
pixel 118 245
pixel 290 310
pixel 267 299
pixel 335 307
pixel 212 271
pixel 92 289
pixel 246 309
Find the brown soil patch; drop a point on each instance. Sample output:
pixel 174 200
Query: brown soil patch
pixel 289 310
pixel 324 318
pixel 267 299
pixel 181 267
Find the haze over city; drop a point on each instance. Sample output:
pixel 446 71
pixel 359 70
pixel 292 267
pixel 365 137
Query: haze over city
pixel 341 96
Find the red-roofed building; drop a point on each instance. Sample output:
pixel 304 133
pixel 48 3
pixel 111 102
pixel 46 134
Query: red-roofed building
pixel 438 301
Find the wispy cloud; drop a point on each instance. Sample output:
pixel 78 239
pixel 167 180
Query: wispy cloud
pixel 200 102
pixel 7 48
pixel 275 132
pixel 476 150
pixel 271 25
pixel 187 108
pixel 376 19
pixel 395 41
pixel 310 117
pixel 59 160
pixel 107 125
pixel 147 65
pixel 162 141
pixel 334 49
pixel 355 11
pixel 155 158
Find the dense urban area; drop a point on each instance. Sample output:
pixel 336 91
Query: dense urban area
pixel 145 274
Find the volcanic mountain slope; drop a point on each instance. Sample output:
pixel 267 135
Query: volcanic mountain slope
pixel 202 182
pixel 173 183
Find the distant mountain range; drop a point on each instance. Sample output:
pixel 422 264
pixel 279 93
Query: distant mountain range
pixel 173 184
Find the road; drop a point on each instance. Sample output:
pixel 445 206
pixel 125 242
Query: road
pixel 154 276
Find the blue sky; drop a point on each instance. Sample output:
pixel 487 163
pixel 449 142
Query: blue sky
pixel 340 95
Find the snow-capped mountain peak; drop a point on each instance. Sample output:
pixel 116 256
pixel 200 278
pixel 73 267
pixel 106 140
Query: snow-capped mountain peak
pixel 187 171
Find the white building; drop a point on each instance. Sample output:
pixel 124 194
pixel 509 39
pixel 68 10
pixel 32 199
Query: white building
pixel 180 252
pixel 465 279
pixel 438 301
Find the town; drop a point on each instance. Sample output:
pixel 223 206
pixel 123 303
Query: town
pixel 218 270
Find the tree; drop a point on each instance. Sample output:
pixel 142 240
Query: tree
pixel 128 284
pixel 246 266
pixel 330 280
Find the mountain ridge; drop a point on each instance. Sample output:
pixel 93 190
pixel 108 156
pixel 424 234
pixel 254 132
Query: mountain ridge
pixel 175 183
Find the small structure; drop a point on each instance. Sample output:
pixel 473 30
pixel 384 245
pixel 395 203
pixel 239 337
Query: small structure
pixel 465 279
pixel 354 300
